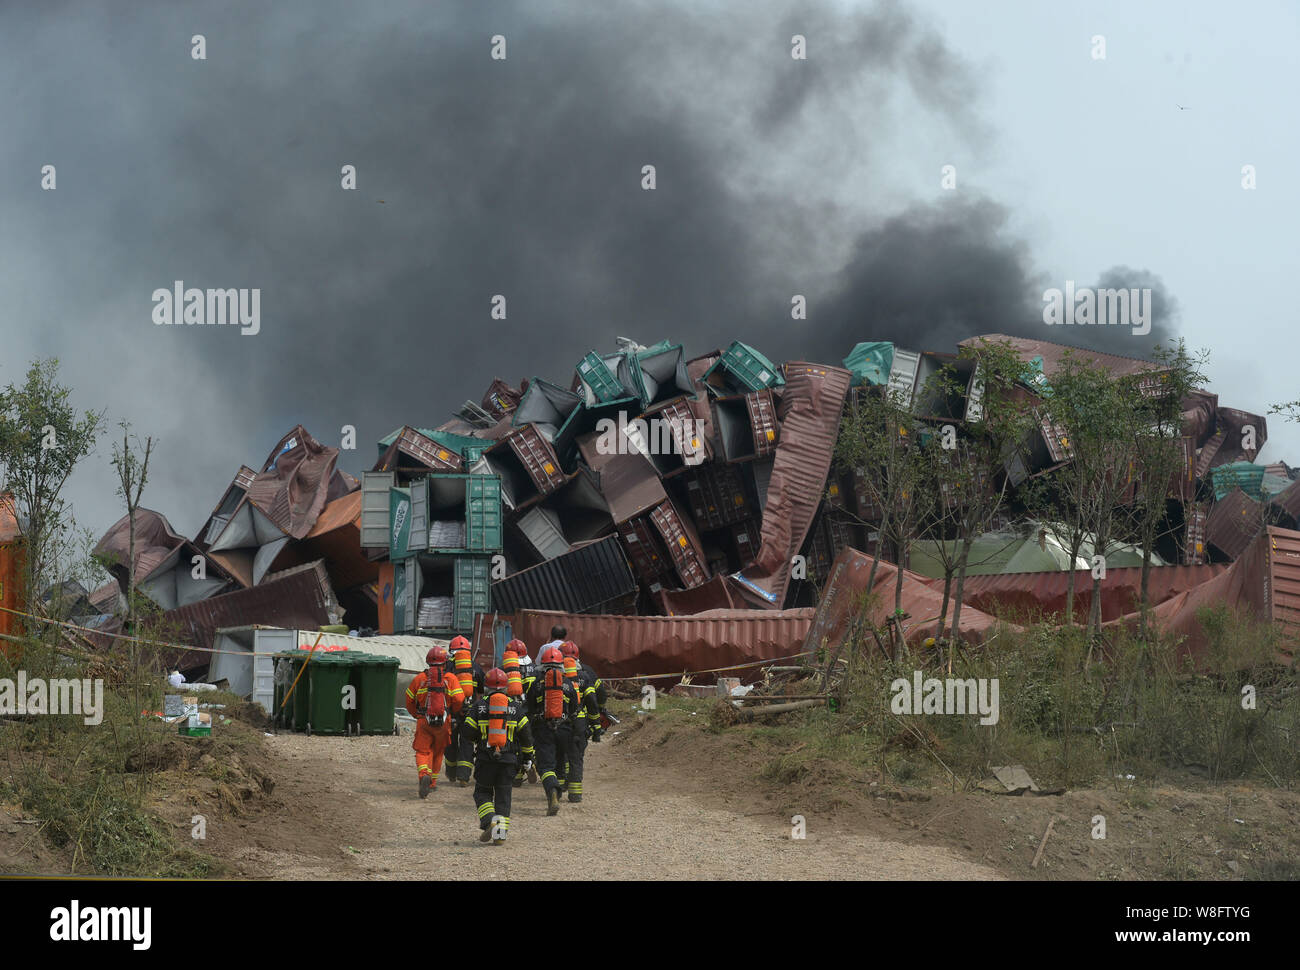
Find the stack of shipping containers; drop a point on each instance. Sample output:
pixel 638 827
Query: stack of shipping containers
pixel 441 531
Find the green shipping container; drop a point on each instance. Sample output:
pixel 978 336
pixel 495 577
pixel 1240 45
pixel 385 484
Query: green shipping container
pixel 329 674
pixel 483 514
pixel 473 590
pixel 1245 475
pixel 747 368
pixel 375 679
pixel 597 376
pixel 870 363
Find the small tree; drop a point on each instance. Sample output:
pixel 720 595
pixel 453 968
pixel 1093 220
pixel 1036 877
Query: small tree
pixel 1090 408
pixel 1156 426
pixel 42 438
pixel 131 461
pixel 973 477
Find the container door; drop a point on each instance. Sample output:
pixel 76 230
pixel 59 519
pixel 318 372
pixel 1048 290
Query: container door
pixel 374 509
pixel 472 590
pixel 406 594
pixel 399 531
pixel 483 513
pixel 418 540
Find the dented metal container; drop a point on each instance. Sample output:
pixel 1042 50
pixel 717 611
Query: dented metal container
pixel 741 368
pixel 592 578
pixel 670 436
pixel 717 496
pixel 682 544
pixel 645 549
pixel 747 425
pixel 527 466
pixel 412 450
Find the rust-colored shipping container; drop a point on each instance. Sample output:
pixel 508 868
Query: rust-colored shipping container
pixel 645 550
pixel 682 543
pixel 717 496
pixel 665 646
pixel 747 536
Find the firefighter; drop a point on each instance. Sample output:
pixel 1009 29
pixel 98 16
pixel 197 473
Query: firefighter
pixel 527 674
pixel 460 764
pixel 515 689
pixel 585 723
pixel 433 698
pixel 498 724
pixel 552 707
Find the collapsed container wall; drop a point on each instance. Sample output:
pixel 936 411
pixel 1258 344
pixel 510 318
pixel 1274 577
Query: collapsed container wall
pixel 664 646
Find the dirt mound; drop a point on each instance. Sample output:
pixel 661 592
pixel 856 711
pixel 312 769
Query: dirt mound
pixel 23 848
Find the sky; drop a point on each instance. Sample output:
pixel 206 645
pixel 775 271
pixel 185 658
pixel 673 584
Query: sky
pixel 522 176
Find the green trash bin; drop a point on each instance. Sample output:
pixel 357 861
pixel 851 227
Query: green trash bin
pixel 329 674
pixel 375 679
pixel 300 700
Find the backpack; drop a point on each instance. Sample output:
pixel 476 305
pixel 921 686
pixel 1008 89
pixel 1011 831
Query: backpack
pixel 435 701
pixel 553 692
pixel 467 678
pixel 498 710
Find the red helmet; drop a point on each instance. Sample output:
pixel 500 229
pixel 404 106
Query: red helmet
pixel 458 643
pixel 569 649
pixel 518 646
pixel 496 678
pixel 552 655
pixel 436 657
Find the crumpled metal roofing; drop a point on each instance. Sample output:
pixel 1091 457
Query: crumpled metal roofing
pixel 297 598
pixel 841 604
pixel 1264 583
pixel 295 482
pixel 1044 592
pixel 155 541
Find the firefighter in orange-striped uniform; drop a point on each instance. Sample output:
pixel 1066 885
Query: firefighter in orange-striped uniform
pixel 499 724
pixel 460 753
pixel 552 708
pixel 516 689
pixel 587 724
pixel 434 697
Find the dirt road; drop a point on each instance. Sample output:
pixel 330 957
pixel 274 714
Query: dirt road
pixel 354 813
